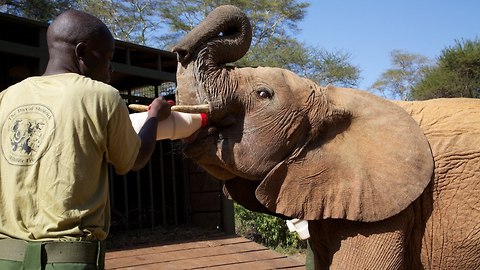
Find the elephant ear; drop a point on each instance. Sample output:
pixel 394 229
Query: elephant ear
pixel 367 166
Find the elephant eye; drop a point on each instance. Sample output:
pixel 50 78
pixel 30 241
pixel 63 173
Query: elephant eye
pixel 264 93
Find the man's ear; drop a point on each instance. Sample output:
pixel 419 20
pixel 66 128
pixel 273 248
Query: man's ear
pixel 81 50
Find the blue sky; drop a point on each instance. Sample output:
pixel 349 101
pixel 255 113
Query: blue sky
pixel 369 30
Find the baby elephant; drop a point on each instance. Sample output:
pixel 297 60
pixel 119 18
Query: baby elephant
pixel 382 185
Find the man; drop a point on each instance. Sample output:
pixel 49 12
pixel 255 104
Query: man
pixel 58 132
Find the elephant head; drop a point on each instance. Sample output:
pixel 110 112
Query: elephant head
pixel 288 146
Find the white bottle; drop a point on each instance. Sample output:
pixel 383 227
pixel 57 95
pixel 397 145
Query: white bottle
pixel 177 126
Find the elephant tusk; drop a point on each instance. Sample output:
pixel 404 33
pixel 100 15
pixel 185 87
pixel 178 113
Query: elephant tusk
pixel 202 108
pixel 138 107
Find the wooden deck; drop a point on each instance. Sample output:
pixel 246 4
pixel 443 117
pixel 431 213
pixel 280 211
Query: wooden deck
pixel 218 252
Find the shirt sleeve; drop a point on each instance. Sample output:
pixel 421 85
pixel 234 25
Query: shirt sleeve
pixel 123 142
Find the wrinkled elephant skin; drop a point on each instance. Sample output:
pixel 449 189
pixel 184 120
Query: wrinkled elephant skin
pixel 384 185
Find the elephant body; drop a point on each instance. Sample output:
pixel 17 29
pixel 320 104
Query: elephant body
pixel 439 230
pixel 451 206
pixel 382 185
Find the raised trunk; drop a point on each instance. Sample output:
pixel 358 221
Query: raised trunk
pixel 224 36
pixel 226 31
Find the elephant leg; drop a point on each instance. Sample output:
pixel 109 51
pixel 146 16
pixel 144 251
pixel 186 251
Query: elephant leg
pixel 341 244
pixel 309 260
pixel 317 255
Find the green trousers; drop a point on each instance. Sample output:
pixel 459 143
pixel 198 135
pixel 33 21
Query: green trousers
pixel 33 261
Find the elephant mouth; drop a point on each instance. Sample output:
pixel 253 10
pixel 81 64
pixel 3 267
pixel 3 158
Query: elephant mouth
pixel 218 172
pixel 200 134
pixel 198 147
pixel 206 144
pixel 214 126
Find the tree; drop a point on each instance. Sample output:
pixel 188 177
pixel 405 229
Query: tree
pixel 129 20
pixel 274 26
pixel 398 82
pixel 317 64
pixel 40 10
pixel 268 18
pixel 333 68
pixel 457 73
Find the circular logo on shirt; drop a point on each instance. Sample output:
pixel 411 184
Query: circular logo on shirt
pixel 27 134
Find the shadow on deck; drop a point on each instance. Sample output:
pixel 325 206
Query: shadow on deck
pixel 216 252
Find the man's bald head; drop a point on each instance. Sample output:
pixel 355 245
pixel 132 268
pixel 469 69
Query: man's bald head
pixel 80 43
pixel 74 26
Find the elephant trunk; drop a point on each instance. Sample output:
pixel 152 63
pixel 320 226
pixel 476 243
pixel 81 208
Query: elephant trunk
pixel 226 30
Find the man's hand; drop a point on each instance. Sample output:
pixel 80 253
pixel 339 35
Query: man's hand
pixel 159 108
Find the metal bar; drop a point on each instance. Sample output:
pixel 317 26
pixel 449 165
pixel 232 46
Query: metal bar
pixel 150 185
pixel 139 199
pixel 187 191
pixel 174 186
pixel 162 185
pixel 125 200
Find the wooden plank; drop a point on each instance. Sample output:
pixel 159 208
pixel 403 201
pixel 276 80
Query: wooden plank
pixel 255 259
pixel 275 263
pixel 234 252
pixel 170 247
pixel 193 254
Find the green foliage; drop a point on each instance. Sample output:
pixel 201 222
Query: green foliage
pixel 268 18
pixel 334 68
pixel 317 64
pixel 40 10
pixel 457 73
pixel 398 82
pixel 129 20
pixel 267 230
pixel 274 26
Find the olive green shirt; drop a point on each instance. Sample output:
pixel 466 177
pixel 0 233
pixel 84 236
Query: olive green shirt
pixel 58 133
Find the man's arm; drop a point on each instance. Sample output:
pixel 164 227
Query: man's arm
pixel 159 110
